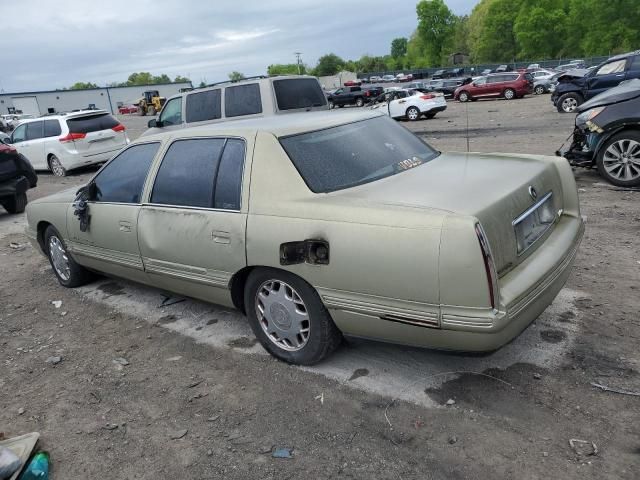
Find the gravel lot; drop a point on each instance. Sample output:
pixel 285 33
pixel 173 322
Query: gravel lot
pixel 196 367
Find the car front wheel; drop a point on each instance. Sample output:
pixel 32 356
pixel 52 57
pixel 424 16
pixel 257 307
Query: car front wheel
pixel 539 90
pixel 619 159
pixel 463 97
pixel 413 113
pixel 68 272
pixel 509 94
pixel 288 317
pixel 15 204
pixel 568 102
pixel 359 102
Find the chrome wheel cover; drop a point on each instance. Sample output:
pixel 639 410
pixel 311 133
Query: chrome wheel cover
pixel 56 167
pixel 621 160
pixel 509 94
pixel 413 114
pixel 539 90
pixel 59 258
pixel 282 315
pixel 463 97
pixel 569 104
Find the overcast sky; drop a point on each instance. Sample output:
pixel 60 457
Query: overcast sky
pixel 48 45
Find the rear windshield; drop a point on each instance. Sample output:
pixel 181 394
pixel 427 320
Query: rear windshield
pixel 298 93
pixel 91 123
pixel 353 154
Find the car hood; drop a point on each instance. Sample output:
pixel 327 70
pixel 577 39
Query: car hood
pixel 494 188
pixel 65 196
pixel 573 74
pixel 627 90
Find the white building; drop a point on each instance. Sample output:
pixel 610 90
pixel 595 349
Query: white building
pixel 108 98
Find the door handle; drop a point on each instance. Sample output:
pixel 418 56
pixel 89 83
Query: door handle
pixel 125 226
pixel 221 237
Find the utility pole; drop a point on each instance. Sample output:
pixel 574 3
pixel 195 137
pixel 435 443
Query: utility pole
pixel 297 54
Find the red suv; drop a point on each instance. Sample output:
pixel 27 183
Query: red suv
pixel 508 85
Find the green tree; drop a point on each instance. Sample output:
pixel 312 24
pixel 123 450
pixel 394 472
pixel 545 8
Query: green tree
pixel 399 47
pixel 436 27
pixel 328 64
pixel 460 42
pixel 82 86
pixel 202 84
pixel 235 76
pixel 181 79
pixel 140 78
pixel 540 29
pixel 164 78
pixel 415 52
pixel 286 69
pixel 497 40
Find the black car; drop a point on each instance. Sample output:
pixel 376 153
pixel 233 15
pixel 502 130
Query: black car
pixel 16 177
pixel 607 135
pixel 446 87
pixel 577 86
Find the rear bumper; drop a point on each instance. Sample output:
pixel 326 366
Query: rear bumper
pixel 440 108
pixel 77 160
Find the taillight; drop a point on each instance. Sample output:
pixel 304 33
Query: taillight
pixel 428 96
pixel 489 266
pixel 119 128
pixel 72 136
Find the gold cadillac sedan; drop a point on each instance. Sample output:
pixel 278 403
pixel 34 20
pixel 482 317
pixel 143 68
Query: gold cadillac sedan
pixel 321 224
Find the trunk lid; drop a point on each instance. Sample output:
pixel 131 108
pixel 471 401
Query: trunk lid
pixel 494 188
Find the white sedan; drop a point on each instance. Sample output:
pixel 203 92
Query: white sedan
pixel 411 104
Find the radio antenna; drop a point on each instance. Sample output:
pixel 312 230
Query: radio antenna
pixel 467 109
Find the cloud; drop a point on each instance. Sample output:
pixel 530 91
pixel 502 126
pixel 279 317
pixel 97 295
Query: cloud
pixel 241 36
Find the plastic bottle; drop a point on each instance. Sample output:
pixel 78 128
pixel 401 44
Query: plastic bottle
pixel 38 468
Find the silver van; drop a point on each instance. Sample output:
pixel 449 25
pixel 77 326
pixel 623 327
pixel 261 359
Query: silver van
pixel 248 98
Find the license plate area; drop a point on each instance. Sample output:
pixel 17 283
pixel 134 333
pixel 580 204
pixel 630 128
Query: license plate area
pixel 534 223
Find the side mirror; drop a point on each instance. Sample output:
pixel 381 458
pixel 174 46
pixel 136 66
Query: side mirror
pixel 153 123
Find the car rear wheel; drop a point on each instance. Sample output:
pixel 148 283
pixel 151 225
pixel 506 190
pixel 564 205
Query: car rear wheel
pixel 288 317
pixel 152 111
pixel 568 102
pixel 68 272
pixel 359 102
pixel 413 114
pixel 56 166
pixel 331 106
pixel 619 159
pixel 463 97
pixel 539 90
pixel 15 204
pixel 509 94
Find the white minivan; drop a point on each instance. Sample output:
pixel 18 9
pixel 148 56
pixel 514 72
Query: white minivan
pixel 66 141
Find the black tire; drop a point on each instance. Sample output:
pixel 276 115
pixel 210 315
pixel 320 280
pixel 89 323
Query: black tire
pixel 341 106
pixel 632 165
pixel 568 102
pixel 152 111
pixel 464 97
pixel 15 204
pixel 142 111
pixel 331 105
pixel 78 275
pixel 359 102
pixel 56 167
pixel 430 115
pixel 413 114
pixel 509 94
pixel 324 336
pixel 538 90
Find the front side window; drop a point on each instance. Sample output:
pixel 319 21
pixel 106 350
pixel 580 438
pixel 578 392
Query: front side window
pixel 34 130
pixel 187 174
pixel 480 81
pixel 356 153
pixel 52 128
pixel 122 179
pixel 203 106
pixel 172 112
pixel 242 100
pixel 19 134
pixel 612 67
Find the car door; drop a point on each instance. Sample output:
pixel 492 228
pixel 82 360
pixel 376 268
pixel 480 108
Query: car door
pixel 633 71
pixel 605 77
pixel 191 231
pixel 110 244
pixel 398 106
pixel 28 140
pixel 171 115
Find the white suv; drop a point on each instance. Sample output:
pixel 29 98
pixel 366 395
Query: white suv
pixel 66 141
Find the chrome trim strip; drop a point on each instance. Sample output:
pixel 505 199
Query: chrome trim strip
pixel 531 209
pixel 106 255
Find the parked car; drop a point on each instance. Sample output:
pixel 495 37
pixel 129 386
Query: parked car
pixel 485 72
pixel 388 78
pixel 16 177
pixel 419 85
pixel 251 97
pixel 313 226
pixel 352 83
pixel 439 75
pixel 505 85
pixel 546 84
pixel 347 96
pixel 401 77
pixel 410 104
pixel 10 121
pixel 573 64
pixel 375 79
pixel 533 67
pixel 575 87
pixel 607 135
pixel 371 93
pixel 4 138
pixel 127 109
pixel 63 142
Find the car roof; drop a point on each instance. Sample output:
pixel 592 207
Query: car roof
pixel 65 115
pixel 278 126
pixel 623 55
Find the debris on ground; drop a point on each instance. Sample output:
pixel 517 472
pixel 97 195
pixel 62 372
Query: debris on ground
pixel 583 448
pixel 17 246
pixel 174 359
pixel 110 426
pixel 282 452
pixel 195 384
pixel 178 434
pixel 56 303
pixel 213 419
pixel 121 361
pixel 453 439
pixel 450 402
pixel 321 398
pixel 604 388
pixel 537 376
pixel 170 300
pixel 21 411
pixel 53 360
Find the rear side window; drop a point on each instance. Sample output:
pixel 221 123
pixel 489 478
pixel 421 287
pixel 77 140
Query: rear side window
pixel 298 93
pixel 52 128
pixel 91 123
pixel 242 100
pixel 187 174
pixel 34 130
pixel 122 179
pixel 203 106
pixel 229 181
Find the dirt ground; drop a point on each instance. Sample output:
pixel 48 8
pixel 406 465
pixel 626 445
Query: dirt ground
pixel 182 391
